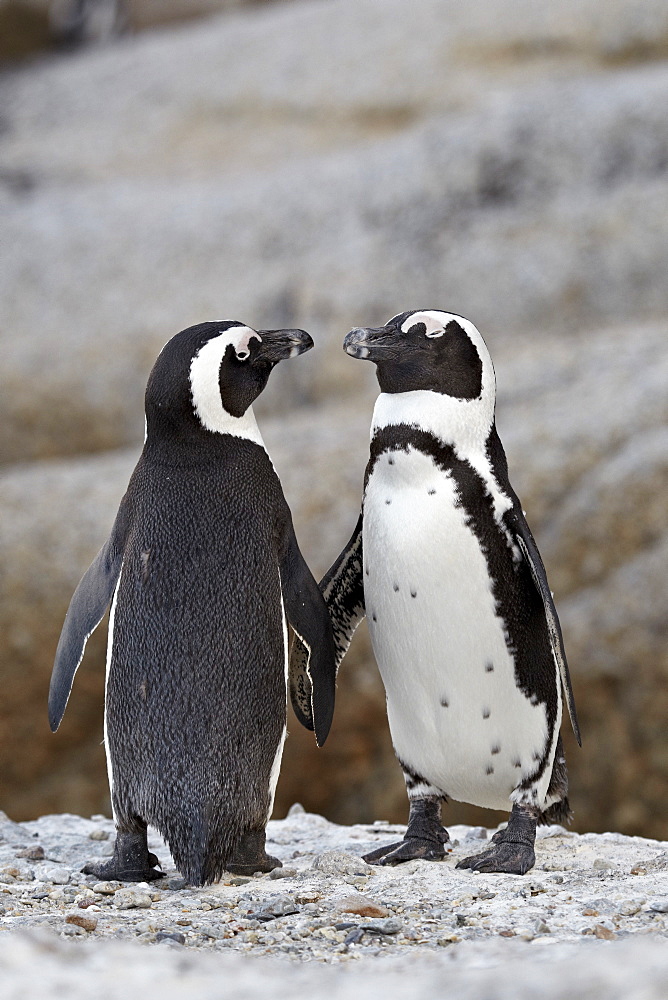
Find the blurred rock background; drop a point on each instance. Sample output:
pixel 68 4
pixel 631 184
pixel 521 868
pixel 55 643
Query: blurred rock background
pixel 327 164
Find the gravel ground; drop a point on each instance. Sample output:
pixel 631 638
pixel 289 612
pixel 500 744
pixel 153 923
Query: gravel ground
pixel 591 916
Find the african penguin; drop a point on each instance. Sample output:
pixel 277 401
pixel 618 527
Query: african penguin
pixel 203 573
pixel 462 621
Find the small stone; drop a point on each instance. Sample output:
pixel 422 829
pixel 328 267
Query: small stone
pixel 389 926
pixel 604 933
pixel 477 833
pixel 282 873
pixel 107 888
pixel 87 923
pixel 98 835
pixel 588 912
pixel 341 863
pixel 174 936
pixel 601 865
pixel 308 896
pixel 542 927
pixel 296 809
pixel 629 907
pixel 507 933
pixel 362 906
pixel 58 876
pixel 638 870
pixel 240 880
pixel 131 899
pixel 6 878
pixel 73 930
pixel 176 882
pixel 33 853
pixel 658 905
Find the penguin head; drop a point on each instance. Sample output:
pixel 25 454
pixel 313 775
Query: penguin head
pixel 209 375
pixel 426 349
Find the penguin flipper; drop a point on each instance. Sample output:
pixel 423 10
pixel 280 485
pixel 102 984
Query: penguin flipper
pixel 86 611
pixel 312 667
pixel 529 550
pixel 343 590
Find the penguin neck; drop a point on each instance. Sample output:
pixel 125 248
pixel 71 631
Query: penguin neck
pixel 195 437
pixel 465 424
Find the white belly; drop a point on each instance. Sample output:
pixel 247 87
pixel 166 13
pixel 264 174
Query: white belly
pixel 465 728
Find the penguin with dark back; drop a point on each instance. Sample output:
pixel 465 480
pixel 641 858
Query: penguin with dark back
pixel 462 621
pixel 203 573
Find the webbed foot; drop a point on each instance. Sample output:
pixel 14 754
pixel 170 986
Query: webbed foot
pixel 424 837
pixel 513 847
pixel 130 862
pixel 505 856
pixel 250 856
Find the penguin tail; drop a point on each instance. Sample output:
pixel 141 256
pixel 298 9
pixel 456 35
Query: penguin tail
pixel 202 843
pixel 558 812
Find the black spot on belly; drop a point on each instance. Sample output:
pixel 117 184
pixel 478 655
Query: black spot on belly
pixel 496 748
pixel 413 593
pixel 489 769
pixel 366 571
pixel 486 713
pixel 388 502
pixel 373 617
pixel 444 702
pixel 396 587
pixel 537 756
pixel 534 699
pixel 431 492
pixel 489 667
pixel 390 461
pixel 517 762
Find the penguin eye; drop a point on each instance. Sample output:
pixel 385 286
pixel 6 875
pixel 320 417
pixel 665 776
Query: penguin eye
pixel 243 355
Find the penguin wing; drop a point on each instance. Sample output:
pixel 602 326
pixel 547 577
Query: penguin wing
pixel 529 549
pixel 312 666
pixel 343 589
pixel 86 611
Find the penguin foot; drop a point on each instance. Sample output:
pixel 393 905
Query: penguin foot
pixel 250 856
pixel 506 856
pixel 424 836
pixel 131 861
pixel 513 846
pixel 407 850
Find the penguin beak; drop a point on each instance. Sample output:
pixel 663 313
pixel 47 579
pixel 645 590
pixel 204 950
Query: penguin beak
pixel 373 344
pixel 279 345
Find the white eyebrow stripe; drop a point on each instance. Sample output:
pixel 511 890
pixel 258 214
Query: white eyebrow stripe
pixel 435 322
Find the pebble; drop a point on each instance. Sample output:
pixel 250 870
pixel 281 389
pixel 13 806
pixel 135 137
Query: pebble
pixel 85 922
pixel 131 899
pixel 34 853
pixel 342 863
pixel 98 835
pixel 57 876
pixel 362 906
pixel 659 905
pixel 107 888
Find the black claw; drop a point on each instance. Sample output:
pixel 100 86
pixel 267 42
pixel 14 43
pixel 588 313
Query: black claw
pixel 505 857
pixel 406 850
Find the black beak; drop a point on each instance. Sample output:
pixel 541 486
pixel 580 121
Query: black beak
pixel 373 344
pixel 279 345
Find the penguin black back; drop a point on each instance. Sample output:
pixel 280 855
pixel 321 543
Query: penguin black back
pixel 204 569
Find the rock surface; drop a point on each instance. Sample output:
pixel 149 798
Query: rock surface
pixel 594 908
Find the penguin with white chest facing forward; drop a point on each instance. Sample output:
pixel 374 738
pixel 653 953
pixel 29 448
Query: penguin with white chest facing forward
pixel 203 573
pixel 462 621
